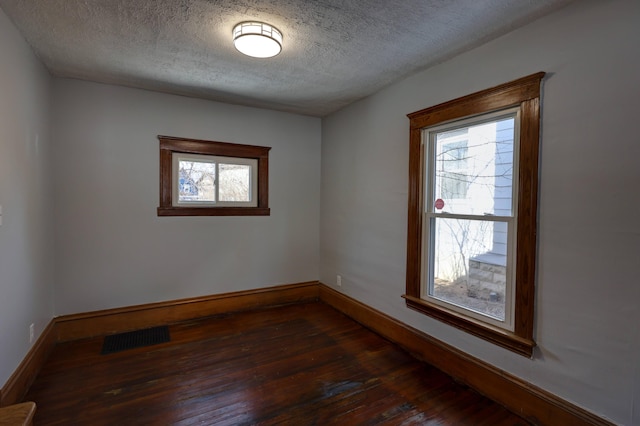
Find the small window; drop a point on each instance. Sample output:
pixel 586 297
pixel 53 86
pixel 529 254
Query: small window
pixel 472 212
pixel 207 178
pixel 213 181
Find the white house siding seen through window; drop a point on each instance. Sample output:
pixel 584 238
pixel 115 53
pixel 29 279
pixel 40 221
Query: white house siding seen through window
pixel 469 216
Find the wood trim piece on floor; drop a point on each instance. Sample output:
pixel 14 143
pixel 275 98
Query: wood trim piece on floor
pixel 18 384
pixel 18 414
pixel 532 403
pixel 98 323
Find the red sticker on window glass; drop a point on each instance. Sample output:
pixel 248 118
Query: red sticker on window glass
pixel 439 204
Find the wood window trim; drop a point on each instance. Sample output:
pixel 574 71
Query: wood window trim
pixel 169 145
pixel 524 93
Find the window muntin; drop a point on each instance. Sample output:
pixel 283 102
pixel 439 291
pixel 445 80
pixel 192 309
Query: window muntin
pixel 452 167
pixel 209 178
pixel 467 262
pixel 505 214
pixel 202 180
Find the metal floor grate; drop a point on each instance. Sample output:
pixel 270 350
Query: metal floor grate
pixel 135 339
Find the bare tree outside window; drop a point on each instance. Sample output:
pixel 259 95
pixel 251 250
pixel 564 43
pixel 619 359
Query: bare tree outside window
pixel 197 181
pixel 235 181
pixel 473 179
pixel 212 182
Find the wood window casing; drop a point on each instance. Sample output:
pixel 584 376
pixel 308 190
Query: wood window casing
pixel 170 145
pixel 523 93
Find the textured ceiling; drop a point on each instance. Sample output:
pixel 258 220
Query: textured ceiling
pixel 335 52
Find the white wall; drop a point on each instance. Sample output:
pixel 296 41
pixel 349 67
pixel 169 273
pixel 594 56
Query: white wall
pixel 111 248
pixel 26 268
pixel 587 311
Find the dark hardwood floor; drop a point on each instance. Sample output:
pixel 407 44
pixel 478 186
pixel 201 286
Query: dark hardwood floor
pixel 302 364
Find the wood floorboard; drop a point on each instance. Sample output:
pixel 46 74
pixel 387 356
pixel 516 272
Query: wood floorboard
pixel 303 364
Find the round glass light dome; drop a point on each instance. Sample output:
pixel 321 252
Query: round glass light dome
pixel 257 39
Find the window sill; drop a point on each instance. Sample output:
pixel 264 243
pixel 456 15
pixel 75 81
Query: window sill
pixel 214 211
pixel 498 336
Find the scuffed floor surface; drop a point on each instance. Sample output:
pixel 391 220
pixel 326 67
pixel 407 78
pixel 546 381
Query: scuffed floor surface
pixel 295 365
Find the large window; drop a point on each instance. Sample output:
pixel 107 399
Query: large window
pixel 206 178
pixel 472 212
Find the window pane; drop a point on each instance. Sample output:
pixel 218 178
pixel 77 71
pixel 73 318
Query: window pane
pixel 197 181
pixel 474 169
pixel 235 182
pixel 469 264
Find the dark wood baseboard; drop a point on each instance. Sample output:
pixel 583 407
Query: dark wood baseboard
pixel 18 384
pixel 524 399
pixel 98 323
pixel 90 324
pixel 532 403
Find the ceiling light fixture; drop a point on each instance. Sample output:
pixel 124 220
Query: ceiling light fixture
pixel 257 39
